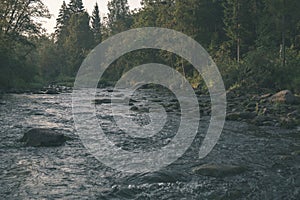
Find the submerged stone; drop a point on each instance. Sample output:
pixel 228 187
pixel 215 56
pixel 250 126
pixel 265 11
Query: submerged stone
pixel 219 170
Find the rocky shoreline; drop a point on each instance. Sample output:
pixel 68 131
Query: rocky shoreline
pixel 50 89
pixel 281 109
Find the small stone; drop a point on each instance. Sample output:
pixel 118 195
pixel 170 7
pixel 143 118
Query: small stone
pixel 51 91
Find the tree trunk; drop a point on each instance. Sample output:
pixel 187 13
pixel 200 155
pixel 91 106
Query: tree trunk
pixel 238 50
pixel 283 42
pixel 238 45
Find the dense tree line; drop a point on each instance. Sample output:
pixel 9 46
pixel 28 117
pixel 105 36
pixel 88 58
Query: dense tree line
pixel 255 43
pixel 17 40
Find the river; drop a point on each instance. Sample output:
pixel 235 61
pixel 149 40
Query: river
pixel 271 156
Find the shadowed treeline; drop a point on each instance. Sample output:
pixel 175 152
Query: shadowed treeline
pixel 255 43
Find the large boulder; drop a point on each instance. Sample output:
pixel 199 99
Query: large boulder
pixel 219 170
pixel 284 96
pixel 39 137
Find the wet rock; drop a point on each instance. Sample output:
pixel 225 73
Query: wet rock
pixel 284 96
pixel 39 137
pixel 296 153
pixel 102 101
pixel 261 120
pixel 130 100
pixel 172 106
pixel 110 90
pixel 134 108
pixel 294 114
pixel 65 89
pixel 288 123
pixel 265 96
pixel 165 176
pixel 38 92
pixel 54 89
pixel 219 170
pixel 232 116
pixel 140 109
pixel 157 100
pixel 51 91
pixel 241 115
pixel 251 106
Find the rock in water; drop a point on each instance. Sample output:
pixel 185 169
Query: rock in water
pixel 52 91
pixel 39 137
pixel 218 170
pixel 102 101
pixel 241 115
pixel 284 96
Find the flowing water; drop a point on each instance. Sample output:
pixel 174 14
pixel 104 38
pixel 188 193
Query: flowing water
pixel 271 156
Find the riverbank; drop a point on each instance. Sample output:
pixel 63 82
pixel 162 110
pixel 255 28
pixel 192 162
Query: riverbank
pixel 281 109
pixel 261 109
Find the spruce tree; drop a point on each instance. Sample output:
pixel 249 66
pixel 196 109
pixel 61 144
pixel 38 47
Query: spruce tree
pixel 78 42
pixel 62 21
pixel 76 6
pixel 96 25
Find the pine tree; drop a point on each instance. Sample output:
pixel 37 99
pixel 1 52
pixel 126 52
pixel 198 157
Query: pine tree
pixel 96 25
pixel 78 42
pixel 62 21
pixel 76 6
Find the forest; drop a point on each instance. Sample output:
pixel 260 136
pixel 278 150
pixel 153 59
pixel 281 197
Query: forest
pixel 255 43
pixel 133 138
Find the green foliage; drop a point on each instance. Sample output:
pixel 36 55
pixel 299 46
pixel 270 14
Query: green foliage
pixel 240 26
pixel 255 43
pixel 78 42
pixel 17 17
pixel 18 21
pixel 74 39
pixel 119 16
